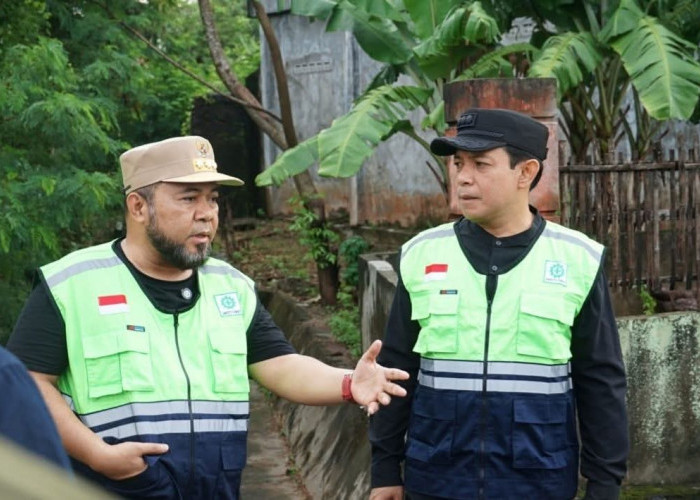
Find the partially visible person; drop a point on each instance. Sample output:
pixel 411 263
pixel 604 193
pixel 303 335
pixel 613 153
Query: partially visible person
pixel 24 418
pixel 504 321
pixel 143 346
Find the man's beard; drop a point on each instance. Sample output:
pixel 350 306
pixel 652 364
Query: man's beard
pixel 174 253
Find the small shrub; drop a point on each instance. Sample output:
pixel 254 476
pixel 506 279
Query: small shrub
pixel 345 322
pixel 314 235
pixel 344 326
pixel 648 301
pixel 350 250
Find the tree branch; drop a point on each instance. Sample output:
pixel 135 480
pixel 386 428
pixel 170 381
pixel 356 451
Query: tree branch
pixel 189 73
pixel 303 181
pixel 225 72
pixel 280 75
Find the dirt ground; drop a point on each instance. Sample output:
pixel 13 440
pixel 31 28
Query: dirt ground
pixel 270 253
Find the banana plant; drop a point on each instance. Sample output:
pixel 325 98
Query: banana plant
pixel 341 149
pixel 598 56
pixel 420 39
pixel 598 63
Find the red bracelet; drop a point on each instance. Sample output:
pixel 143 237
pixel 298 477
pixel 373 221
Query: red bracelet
pixel 346 388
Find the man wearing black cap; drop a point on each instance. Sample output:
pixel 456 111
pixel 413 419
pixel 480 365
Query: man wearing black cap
pixel 505 324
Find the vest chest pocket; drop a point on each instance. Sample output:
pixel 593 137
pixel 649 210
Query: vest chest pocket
pixel 117 362
pixel 437 311
pixel 544 326
pixel 229 360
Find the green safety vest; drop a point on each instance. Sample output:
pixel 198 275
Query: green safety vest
pixel 124 353
pixel 533 309
pixel 493 412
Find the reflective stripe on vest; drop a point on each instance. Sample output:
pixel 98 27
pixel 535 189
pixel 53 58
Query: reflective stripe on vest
pixel 127 362
pixel 135 411
pixel 503 377
pixel 81 267
pixel 180 426
pixel 593 248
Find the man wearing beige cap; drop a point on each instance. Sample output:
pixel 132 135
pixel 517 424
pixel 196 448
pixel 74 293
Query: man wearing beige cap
pixel 143 346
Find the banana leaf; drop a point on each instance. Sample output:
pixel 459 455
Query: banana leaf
pixel 342 148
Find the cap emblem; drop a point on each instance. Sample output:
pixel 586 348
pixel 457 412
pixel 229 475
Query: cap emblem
pixel 203 149
pixel 467 120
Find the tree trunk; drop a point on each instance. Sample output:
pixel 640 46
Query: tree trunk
pixel 225 72
pixel 285 138
pixel 328 283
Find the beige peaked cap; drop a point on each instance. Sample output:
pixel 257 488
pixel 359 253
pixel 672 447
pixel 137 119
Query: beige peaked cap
pixel 180 159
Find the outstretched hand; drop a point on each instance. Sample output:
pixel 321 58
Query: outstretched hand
pixel 371 382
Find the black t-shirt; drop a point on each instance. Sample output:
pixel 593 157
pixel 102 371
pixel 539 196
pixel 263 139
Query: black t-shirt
pixel 39 336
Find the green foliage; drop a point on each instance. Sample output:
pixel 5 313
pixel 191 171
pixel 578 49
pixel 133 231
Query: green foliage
pixel 77 90
pixel 374 32
pixel 595 51
pixel 343 147
pixel 648 301
pixel 345 322
pixel 52 194
pixel 427 15
pixel 650 53
pixel 454 38
pixel 314 235
pixel 423 40
pixel 27 19
pixel 350 251
pixel 345 318
pixel 13 295
pixel 496 64
pixel 567 58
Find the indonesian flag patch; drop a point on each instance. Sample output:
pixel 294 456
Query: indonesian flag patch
pixel 112 304
pixel 435 272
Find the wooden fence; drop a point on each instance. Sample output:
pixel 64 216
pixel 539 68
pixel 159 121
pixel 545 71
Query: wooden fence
pixel 647 215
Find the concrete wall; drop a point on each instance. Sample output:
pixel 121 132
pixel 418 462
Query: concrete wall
pixel 326 73
pixel 329 445
pixel 662 357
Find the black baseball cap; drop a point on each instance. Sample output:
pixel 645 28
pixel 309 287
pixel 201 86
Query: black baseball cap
pixel 483 129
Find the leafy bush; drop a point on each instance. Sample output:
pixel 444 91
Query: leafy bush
pixel 350 250
pixel 648 301
pixel 317 237
pixel 345 323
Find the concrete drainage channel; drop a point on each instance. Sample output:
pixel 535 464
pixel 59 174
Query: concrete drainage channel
pixel 326 453
pixel 268 475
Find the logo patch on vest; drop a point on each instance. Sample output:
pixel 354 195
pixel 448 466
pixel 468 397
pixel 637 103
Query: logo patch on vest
pixel 228 304
pixel 112 304
pixel 555 272
pixel 435 272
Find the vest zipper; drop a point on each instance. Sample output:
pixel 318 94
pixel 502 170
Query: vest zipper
pixel 176 323
pixel 491 285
